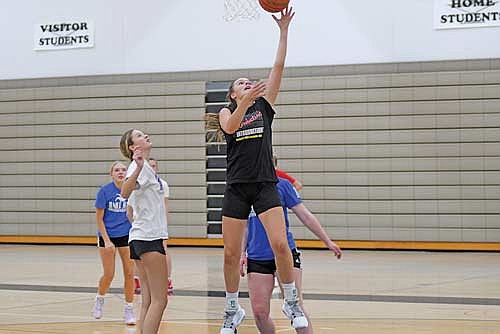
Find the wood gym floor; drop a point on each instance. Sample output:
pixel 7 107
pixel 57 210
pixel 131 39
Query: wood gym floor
pixel 50 289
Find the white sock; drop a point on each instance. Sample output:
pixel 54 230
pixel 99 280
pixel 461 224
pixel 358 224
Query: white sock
pixel 290 291
pixel 232 301
pixel 129 304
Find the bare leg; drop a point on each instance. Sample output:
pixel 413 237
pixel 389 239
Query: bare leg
pixel 108 266
pixel 274 223
pixel 155 267
pixel 298 285
pixel 169 260
pixel 232 231
pixel 169 265
pixel 128 273
pixel 145 293
pixel 260 289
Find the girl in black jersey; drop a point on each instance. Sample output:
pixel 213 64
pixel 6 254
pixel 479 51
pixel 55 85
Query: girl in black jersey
pixel 251 182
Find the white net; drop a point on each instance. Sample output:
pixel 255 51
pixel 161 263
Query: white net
pixel 241 9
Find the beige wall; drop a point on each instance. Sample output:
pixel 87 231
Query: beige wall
pixel 57 145
pixel 400 151
pixel 411 156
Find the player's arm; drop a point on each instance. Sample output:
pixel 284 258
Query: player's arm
pixel 99 216
pixel 243 258
pixel 312 223
pixel 130 182
pixel 274 80
pixel 130 213
pixel 298 185
pixel 230 123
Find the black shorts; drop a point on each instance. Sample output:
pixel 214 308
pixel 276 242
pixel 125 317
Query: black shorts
pixel 269 267
pixel 239 198
pixel 139 247
pixel 118 241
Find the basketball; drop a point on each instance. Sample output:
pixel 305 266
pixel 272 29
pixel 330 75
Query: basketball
pixel 273 6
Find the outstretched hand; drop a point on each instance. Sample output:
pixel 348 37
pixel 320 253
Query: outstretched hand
pixel 257 90
pixel 287 15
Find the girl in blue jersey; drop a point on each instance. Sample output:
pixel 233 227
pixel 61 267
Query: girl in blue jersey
pixel 113 229
pixel 259 257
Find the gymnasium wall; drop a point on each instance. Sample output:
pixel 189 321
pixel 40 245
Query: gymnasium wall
pixel 58 142
pixel 395 151
pixel 400 156
pixel 170 36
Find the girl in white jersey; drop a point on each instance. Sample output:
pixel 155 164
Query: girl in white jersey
pixel 145 193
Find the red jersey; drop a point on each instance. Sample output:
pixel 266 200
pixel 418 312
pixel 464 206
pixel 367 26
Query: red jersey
pixel 284 175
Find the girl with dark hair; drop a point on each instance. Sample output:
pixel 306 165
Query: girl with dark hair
pixel 251 182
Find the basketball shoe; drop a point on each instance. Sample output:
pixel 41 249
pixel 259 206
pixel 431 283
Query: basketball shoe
pixel 97 310
pixel 128 315
pixel 232 319
pixel 293 311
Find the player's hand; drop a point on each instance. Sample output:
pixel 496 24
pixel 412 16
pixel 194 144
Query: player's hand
pixel 108 245
pixel 287 15
pixel 243 265
pixel 336 250
pixel 257 90
pixel 138 157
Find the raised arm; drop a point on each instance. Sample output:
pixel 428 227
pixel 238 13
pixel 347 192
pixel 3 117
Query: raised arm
pixel 312 223
pixel 230 123
pixel 130 183
pixel 274 80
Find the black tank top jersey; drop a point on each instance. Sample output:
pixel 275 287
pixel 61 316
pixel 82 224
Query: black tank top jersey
pixel 249 149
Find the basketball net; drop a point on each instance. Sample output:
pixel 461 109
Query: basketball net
pixel 241 9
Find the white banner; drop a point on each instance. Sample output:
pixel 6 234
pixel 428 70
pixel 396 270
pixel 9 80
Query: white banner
pixel 466 13
pixel 69 34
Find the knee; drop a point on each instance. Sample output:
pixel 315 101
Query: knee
pixel 280 247
pixel 260 311
pixel 162 301
pixel 128 274
pixel 108 276
pixel 231 256
pixel 260 317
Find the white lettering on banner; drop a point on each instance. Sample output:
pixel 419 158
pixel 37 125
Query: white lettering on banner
pixel 65 35
pixel 450 14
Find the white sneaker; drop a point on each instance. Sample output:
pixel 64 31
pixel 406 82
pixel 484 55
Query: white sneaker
pixel 128 315
pixel 97 310
pixel 293 311
pixel 232 319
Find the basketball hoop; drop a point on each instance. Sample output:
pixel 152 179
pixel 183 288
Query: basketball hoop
pixel 241 9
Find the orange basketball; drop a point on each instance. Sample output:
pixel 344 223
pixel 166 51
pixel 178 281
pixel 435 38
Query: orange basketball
pixel 273 6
